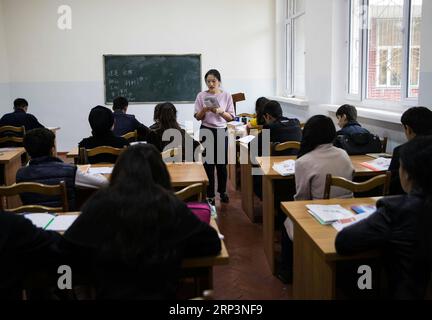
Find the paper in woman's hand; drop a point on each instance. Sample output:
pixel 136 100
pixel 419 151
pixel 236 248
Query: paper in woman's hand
pixel 211 102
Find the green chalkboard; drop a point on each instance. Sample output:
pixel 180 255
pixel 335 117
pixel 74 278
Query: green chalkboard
pixel 152 78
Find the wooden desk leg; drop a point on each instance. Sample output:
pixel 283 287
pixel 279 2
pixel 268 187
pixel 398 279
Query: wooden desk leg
pixel 268 221
pixel 247 190
pixel 10 171
pixel 314 278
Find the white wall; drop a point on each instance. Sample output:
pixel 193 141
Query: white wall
pixel 4 72
pixel 60 72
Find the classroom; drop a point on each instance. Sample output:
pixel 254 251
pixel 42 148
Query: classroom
pixel 225 150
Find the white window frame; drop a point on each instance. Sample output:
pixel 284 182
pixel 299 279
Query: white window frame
pixel 289 46
pixel 405 100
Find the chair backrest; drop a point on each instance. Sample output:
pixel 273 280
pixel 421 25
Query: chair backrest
pixel 38 188
pixel 131 136
pixel 170 153
pixel 237 97
pixel 287 145
pixel 384 144
pixel 12 136
pixel 192 191
pixel 85 154
pixel 381 180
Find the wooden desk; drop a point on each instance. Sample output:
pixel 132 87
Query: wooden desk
pixel 266 163
pixel 315 255
pixel 73 154
pixel 10 162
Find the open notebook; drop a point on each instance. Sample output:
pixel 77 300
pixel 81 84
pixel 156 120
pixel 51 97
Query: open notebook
pixel 50 221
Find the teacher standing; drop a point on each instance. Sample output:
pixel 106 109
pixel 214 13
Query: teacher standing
pixel 214 118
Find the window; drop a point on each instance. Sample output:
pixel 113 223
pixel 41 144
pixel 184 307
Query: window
pixel 384 60
pixel 295 48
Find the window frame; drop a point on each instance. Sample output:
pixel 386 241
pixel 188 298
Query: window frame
pixel 362 96
pixel 290 17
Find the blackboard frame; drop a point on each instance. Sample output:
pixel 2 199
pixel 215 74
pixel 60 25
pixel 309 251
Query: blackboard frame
pixel 199 55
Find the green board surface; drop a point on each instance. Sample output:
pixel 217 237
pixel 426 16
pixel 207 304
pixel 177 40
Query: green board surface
pixel 152 78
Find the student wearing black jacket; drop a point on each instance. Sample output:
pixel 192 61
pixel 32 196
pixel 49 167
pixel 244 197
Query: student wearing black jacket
pixel 417 121
pixel 347 121
pixel 401 226
pixel 101 122
pixel 20 117
pixel 281 129
pixel 132 236
pixel 125 123
pixel 24 249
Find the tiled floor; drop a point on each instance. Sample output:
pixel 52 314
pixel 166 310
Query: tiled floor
pixel 247 276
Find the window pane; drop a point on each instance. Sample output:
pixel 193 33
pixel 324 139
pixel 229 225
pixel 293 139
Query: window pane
pixel 414 59
pixel 385 33
pixel 299 6
pixel 299 57
pixel 355 32
pixel 288 59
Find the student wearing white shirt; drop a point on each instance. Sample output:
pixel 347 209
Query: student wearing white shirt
pixel 46 169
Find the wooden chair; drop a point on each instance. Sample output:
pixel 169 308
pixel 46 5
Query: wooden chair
pixel 192 191
pixel 279 147
pixel 237 97
pixel 170 153
pixel 384 145
pixel 13 135
pixel 131 136
pixel 85 154
pixel 246 115
pixel 38 188
pixel 381 180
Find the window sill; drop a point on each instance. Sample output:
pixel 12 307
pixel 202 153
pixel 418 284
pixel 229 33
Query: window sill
pixel 296 101
pixel 369 113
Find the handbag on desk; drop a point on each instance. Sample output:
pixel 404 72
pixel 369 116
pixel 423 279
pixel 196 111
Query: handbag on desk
pixel 200 209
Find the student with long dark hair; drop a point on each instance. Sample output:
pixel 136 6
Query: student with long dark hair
pixel 155 125
pixel 317 157
pixel 168 121
pixel 214 108
pixel 134 234
pixel 259 111
pixel 401 225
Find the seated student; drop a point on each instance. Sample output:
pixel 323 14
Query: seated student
pixel 19 118
pixel 347 121
pixel 155 125
pixel 168 120
pixel 101 122
pixel 143 231
pixel 417 121
pixel 24 248
pixel 282 129
pixel 125 123
pixel 401 226
pixel 46 169
pixel 317 158
pixel 259 111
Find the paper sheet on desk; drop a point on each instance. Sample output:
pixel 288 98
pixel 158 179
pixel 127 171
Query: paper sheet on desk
pixel 327 214
pixel 100 170
pixel 343 223
pixel 62 222
pixel 246 140
pixel 380 164
pixel 285 168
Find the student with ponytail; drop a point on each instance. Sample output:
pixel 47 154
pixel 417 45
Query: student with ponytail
pixel 401 225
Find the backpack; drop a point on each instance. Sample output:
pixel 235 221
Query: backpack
pixel 201 210
pixel 359 143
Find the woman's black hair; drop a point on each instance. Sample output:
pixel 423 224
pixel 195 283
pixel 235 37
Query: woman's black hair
pixel 156 112
pixel 138 207
pixel 101 120
pixel 214 73
pixel 318 130
pixel 168 117
pixel 416 160
pixel 259 110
